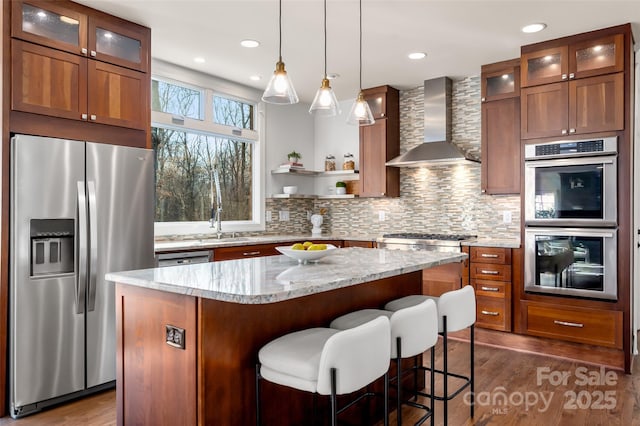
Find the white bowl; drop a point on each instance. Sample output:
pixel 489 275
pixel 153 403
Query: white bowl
pixel 306 255
pixel 290 189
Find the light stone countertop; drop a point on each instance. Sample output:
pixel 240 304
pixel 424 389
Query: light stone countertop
pixel 493 242
pixel 212 243
pixel 276 278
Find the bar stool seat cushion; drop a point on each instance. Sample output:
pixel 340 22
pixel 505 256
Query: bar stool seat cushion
pixel 458 306
pixel 303 359
pixel 294 359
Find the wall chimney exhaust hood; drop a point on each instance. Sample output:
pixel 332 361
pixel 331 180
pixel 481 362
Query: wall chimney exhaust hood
pixel 437 148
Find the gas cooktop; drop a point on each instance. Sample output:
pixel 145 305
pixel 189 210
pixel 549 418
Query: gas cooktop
pixel 424 236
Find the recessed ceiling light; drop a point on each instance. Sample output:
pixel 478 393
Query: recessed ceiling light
pixel 333 75
pixel 249 43
pixel 199 60
pixel 534 28
pixel 417 55
pixel 255 78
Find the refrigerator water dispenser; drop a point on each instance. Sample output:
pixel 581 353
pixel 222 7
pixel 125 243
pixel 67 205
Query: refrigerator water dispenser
pixel 52 247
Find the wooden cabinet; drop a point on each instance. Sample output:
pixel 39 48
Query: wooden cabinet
pixel 586 58
pixel 575 324
pixel 379 143
pixel 500 143
pixel 490 273
pixel 588 105
pixel 72 28
pixel 573 87
pixel 78 66
pixel 364 244
pixel 441 279
pixel 242 252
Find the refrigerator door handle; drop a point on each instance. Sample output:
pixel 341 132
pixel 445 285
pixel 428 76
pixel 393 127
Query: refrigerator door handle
pixel 81 251
pixel 93 242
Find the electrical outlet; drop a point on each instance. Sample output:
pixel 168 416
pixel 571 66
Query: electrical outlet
pixel 283 215
pixel 382 216
pixel 506 216
pixel 174 336
pixel 267 215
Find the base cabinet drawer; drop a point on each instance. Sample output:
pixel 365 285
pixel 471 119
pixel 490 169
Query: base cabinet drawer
pixel 490 255
pixel 581 325
pixel 492 313
pixel 243 252
pixel 490 271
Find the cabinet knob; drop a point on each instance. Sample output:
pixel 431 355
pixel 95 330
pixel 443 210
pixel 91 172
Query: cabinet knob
pixel 84 50
pixel 564 131
pixel 564 76
pixel 93 53
pixel 483 99
pixel 383 114
pixel 572 75
pixel 93 117
pixel 84 116
pixel 572 130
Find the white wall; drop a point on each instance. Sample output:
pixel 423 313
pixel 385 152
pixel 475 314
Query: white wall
pixel 334 136
pixel 288 128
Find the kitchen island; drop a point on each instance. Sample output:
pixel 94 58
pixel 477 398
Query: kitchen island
pixel 226 312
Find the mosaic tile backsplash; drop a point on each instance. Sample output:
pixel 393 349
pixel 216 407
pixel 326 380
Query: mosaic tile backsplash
pixel 443 199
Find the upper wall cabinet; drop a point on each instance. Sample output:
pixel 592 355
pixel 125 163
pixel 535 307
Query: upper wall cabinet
pixel 63 27
pixel 500 143
pixel 587 58
pixel 71 62
pixel 380 143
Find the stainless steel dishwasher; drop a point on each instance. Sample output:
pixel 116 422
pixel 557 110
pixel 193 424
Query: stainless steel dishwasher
pixel 183 258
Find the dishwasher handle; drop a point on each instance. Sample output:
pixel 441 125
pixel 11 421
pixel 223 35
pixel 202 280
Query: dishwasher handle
pixel 183 258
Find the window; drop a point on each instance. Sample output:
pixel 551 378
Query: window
pixel 190 143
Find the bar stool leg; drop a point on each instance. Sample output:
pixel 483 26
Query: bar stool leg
pixel 386 399
pixel 398 381
pixel 334 401
pixel 258 419
pixel 445 368
pixel 432 391
pixel 472 375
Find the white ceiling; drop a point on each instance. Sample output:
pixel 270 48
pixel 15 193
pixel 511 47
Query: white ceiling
pixel 458 36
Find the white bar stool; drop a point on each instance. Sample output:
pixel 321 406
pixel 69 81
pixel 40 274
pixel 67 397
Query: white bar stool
pixel 456 311
pixel 413 331
pixel 328 362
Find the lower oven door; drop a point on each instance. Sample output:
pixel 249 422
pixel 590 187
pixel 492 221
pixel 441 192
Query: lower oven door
pixel 571 262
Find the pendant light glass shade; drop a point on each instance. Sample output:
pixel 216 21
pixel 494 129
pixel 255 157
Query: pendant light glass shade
pixel 325 102
pixel 360 113
pixel 280 89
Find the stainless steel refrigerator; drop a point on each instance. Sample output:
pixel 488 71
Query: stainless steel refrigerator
pixel 78 211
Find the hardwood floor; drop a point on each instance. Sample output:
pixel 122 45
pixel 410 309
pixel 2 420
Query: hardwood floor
pixel 526 382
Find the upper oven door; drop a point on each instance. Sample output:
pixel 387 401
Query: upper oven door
pixel 571 191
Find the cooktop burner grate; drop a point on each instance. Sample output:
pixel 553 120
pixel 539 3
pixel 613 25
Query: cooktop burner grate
pixel 424 236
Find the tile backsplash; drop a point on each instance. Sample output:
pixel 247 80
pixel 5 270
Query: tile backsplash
pixel 444 199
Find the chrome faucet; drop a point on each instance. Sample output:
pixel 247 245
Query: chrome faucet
pixel 215 221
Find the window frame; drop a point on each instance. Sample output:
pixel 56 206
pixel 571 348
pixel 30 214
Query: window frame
pixel 208 127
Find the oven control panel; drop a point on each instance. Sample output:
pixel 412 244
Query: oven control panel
pixel 561 149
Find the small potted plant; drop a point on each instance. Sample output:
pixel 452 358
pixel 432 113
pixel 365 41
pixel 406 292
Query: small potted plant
pixel 294 156
pixel 341 188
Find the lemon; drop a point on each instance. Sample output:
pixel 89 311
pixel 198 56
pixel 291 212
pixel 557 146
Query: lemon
pixel 307 244
pixel 317 247
pixel 297 246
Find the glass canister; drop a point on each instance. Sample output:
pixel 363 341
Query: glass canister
pixel 329 163
pixel 348 163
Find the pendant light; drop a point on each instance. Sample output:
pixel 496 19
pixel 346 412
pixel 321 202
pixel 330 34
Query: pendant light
pixel 360 113
pixel 325 102
pixel 280 89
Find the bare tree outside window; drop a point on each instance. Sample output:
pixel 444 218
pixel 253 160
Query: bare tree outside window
pixel 185 160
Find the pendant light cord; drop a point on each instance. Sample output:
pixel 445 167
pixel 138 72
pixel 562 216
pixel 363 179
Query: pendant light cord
pixel 325 38
pixel 280 30
pixel 360 29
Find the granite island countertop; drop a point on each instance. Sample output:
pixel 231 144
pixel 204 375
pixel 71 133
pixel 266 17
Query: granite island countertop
pixel 276 278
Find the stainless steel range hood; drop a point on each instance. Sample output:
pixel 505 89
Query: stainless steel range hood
pixel 437 148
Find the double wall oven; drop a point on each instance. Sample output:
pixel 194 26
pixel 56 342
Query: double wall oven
pixel 570 204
